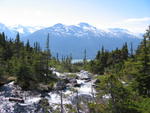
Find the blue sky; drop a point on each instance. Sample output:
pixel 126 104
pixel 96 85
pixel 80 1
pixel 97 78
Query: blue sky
pixel 133 15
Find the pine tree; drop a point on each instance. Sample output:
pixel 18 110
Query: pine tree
pixel 24 74
pixel 17 45
pixel 57 57
pixel 131 50
pixel 28 45
pixel 84 59
pixel 143 58
pixel 125 51
pixel 48 57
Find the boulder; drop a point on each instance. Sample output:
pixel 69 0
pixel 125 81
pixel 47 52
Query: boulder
pixel 66 81
pixel 60 85
pixel 87 79
pixel 77 85
pixel 43 88
pixel 73 81
pixel 81 98
pixel 97 81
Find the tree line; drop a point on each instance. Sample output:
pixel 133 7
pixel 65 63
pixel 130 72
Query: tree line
pixel 124 78
pixel 27 65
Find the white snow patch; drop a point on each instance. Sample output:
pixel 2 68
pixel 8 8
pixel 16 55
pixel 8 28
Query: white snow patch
pixel 107 96
pixel 55 99
pixel 31 100
pixel 80 81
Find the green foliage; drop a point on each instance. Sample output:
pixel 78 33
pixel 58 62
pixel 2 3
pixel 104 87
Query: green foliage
pixel 44 106
pixel 28 64
pixel 105 59
pixel 121 98
pixel 65 65
pixel 143 59
pixel 127 79
pixel 70 108
pixel 98 108
pixel 24 76
pixel 144 105
pixel 71 75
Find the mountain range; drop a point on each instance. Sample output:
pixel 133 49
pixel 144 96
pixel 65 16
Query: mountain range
pixel 11 31
pixel 74 39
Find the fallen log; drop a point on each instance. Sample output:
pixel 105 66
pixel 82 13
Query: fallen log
pixel 16 99
pixel 77 85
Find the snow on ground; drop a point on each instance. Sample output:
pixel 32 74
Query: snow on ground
pixel 83 74
pixel 80 81
pixel 30 99
pixel 55 98
pixel 107 96
pixel 86 87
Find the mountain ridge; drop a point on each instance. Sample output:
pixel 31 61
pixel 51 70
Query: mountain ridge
pixel 27 30
pixel 74 39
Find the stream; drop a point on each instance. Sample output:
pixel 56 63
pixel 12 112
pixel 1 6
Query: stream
pixel 83 87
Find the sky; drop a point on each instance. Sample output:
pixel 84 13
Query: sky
pixel 133 15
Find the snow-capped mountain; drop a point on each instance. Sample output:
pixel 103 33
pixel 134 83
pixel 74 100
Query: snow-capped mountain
pixel 73 39
pixel 80 30
pixel 6 30
pixel 24 30
pixel 11 31
pixel 84 29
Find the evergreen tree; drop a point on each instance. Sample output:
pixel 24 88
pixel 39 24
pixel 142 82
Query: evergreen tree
pixel 48 55
pixel 24 75
pixel 131 50
pixel 125 51
pixel 143 57
pixel 84 59
pixel 28 45
pixel 17 45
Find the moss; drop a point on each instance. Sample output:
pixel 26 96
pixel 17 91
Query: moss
pixel 72 75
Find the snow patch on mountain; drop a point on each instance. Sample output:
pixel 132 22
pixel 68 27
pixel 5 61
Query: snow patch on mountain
pixel 25 29
pixel 80 30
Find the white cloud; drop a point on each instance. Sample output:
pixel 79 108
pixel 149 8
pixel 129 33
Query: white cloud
pixel 135 25
pixel 137 19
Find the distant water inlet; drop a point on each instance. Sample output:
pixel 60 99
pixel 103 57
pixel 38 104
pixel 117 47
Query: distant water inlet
pixel 78 60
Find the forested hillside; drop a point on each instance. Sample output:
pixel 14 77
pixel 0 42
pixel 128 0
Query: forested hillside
pixel 125 78
pixel 23 63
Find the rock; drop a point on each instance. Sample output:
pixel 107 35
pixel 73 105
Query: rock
pixel 2 83
pixel 34 103
pixel 66 80
pixel 60 85
pixel 95 86
pixel 73 81
pixel 44 94
pixel 84 75
pixel 68 85
pixel 87 79
pixel 97 81
pixel 43 88
pixel 77 85
pixel 77 77
pixel 81 97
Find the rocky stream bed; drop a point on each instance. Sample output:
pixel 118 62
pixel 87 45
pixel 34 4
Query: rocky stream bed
pixel 14 100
